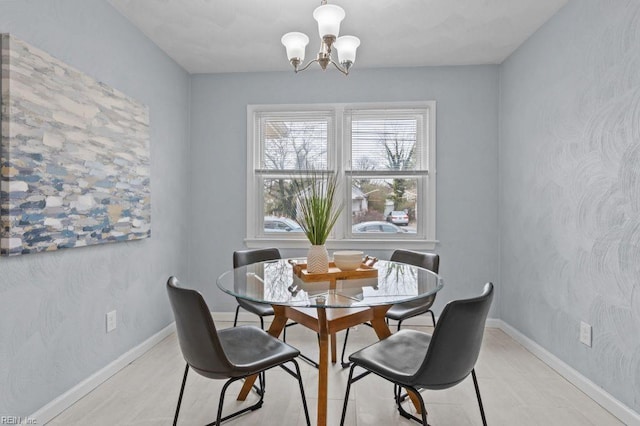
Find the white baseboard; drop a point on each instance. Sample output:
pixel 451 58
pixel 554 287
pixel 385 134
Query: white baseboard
pixel 64 401
pixel 595 392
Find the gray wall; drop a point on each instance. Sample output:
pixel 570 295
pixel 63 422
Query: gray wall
pixel 570 190
pixel 467 133
pixel 564 184
pixel 52 320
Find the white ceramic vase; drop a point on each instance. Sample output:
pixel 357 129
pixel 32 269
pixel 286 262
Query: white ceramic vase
pixel 317 260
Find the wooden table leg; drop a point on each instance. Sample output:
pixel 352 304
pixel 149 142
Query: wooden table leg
pixel 278 324
pixel 334 352
pixel 378 322
pixel 382 331
pixel 323 367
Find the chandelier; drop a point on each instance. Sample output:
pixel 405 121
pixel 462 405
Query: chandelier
pixel 329 17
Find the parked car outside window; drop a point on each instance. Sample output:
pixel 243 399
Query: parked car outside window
pixel 280 224
pixel 398 218
pixel 377 226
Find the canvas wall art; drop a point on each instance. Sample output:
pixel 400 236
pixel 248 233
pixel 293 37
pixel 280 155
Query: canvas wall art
pixel 75 165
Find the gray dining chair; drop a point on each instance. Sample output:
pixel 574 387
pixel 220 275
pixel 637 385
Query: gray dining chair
pixel 417 360
pixel 231 354
pixel 247 257
pixel 402 311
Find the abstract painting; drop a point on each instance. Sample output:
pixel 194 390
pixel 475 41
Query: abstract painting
pixel 75 166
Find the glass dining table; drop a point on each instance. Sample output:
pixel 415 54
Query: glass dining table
pixel 328 306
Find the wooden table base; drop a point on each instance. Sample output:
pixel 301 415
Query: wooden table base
pixel 326 322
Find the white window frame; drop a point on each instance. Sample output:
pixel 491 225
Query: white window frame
pixel 338 158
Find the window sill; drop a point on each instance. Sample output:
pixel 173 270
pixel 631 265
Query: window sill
pixel 368 244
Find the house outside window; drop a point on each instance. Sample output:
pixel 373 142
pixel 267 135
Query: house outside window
pixel 383 155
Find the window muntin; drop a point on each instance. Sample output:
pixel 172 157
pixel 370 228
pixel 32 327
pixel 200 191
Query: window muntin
pixel 382 155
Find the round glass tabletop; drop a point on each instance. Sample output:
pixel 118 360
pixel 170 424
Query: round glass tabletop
pixel 277 283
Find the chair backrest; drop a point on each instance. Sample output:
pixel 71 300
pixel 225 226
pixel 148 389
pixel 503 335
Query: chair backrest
pixel 247 257
pixel 430 261
pixel 455 344
pixel 197 333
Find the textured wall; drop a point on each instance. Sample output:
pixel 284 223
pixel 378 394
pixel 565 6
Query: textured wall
pixel 466 126
pixel 570 190
pixel 52 320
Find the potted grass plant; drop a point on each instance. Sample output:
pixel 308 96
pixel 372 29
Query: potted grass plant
pixel 317 213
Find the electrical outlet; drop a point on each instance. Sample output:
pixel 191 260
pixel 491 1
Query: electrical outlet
pixel 585 333
pixel 111 321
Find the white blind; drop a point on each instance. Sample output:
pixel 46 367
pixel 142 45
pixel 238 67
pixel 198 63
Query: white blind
pixel 387 142
pixel 296 142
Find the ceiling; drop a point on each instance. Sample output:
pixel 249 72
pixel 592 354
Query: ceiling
pixel 218 36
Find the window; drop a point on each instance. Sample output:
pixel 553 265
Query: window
pixel 383 155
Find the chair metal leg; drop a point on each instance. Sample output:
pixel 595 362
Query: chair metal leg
pixel 304 399
pixel 346 395
pixel 475 384
pixel 257 405
pixel 407 415
pixel 260 388
pixel 235 320
pixel 184 381
pixel 402 396
pixel 399 324
pixel 433 317
pixel 298 376
pixel 344 345
pixel 303 356
pixel 261 377
pixel 284 331
pixel 309 360
pixel 344 349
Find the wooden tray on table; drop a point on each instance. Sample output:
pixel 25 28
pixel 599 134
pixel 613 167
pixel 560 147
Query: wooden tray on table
pixel 365 270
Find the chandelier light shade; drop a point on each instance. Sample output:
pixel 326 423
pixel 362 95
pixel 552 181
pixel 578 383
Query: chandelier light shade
pixel 346 47
pixel 329 18
pixel 295 43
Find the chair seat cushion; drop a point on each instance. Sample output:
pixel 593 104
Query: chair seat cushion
pixel 402 311
pixel 260 309
pixel 396 358
pixel 250 349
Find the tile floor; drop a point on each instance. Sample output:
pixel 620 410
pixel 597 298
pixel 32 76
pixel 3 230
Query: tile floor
pixel 517 389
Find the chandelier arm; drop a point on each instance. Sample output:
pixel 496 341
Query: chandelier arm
pixel 307 66
pixel 339 68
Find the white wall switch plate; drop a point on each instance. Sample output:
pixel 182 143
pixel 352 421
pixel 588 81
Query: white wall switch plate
pixel 111 321
pixel 585 333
